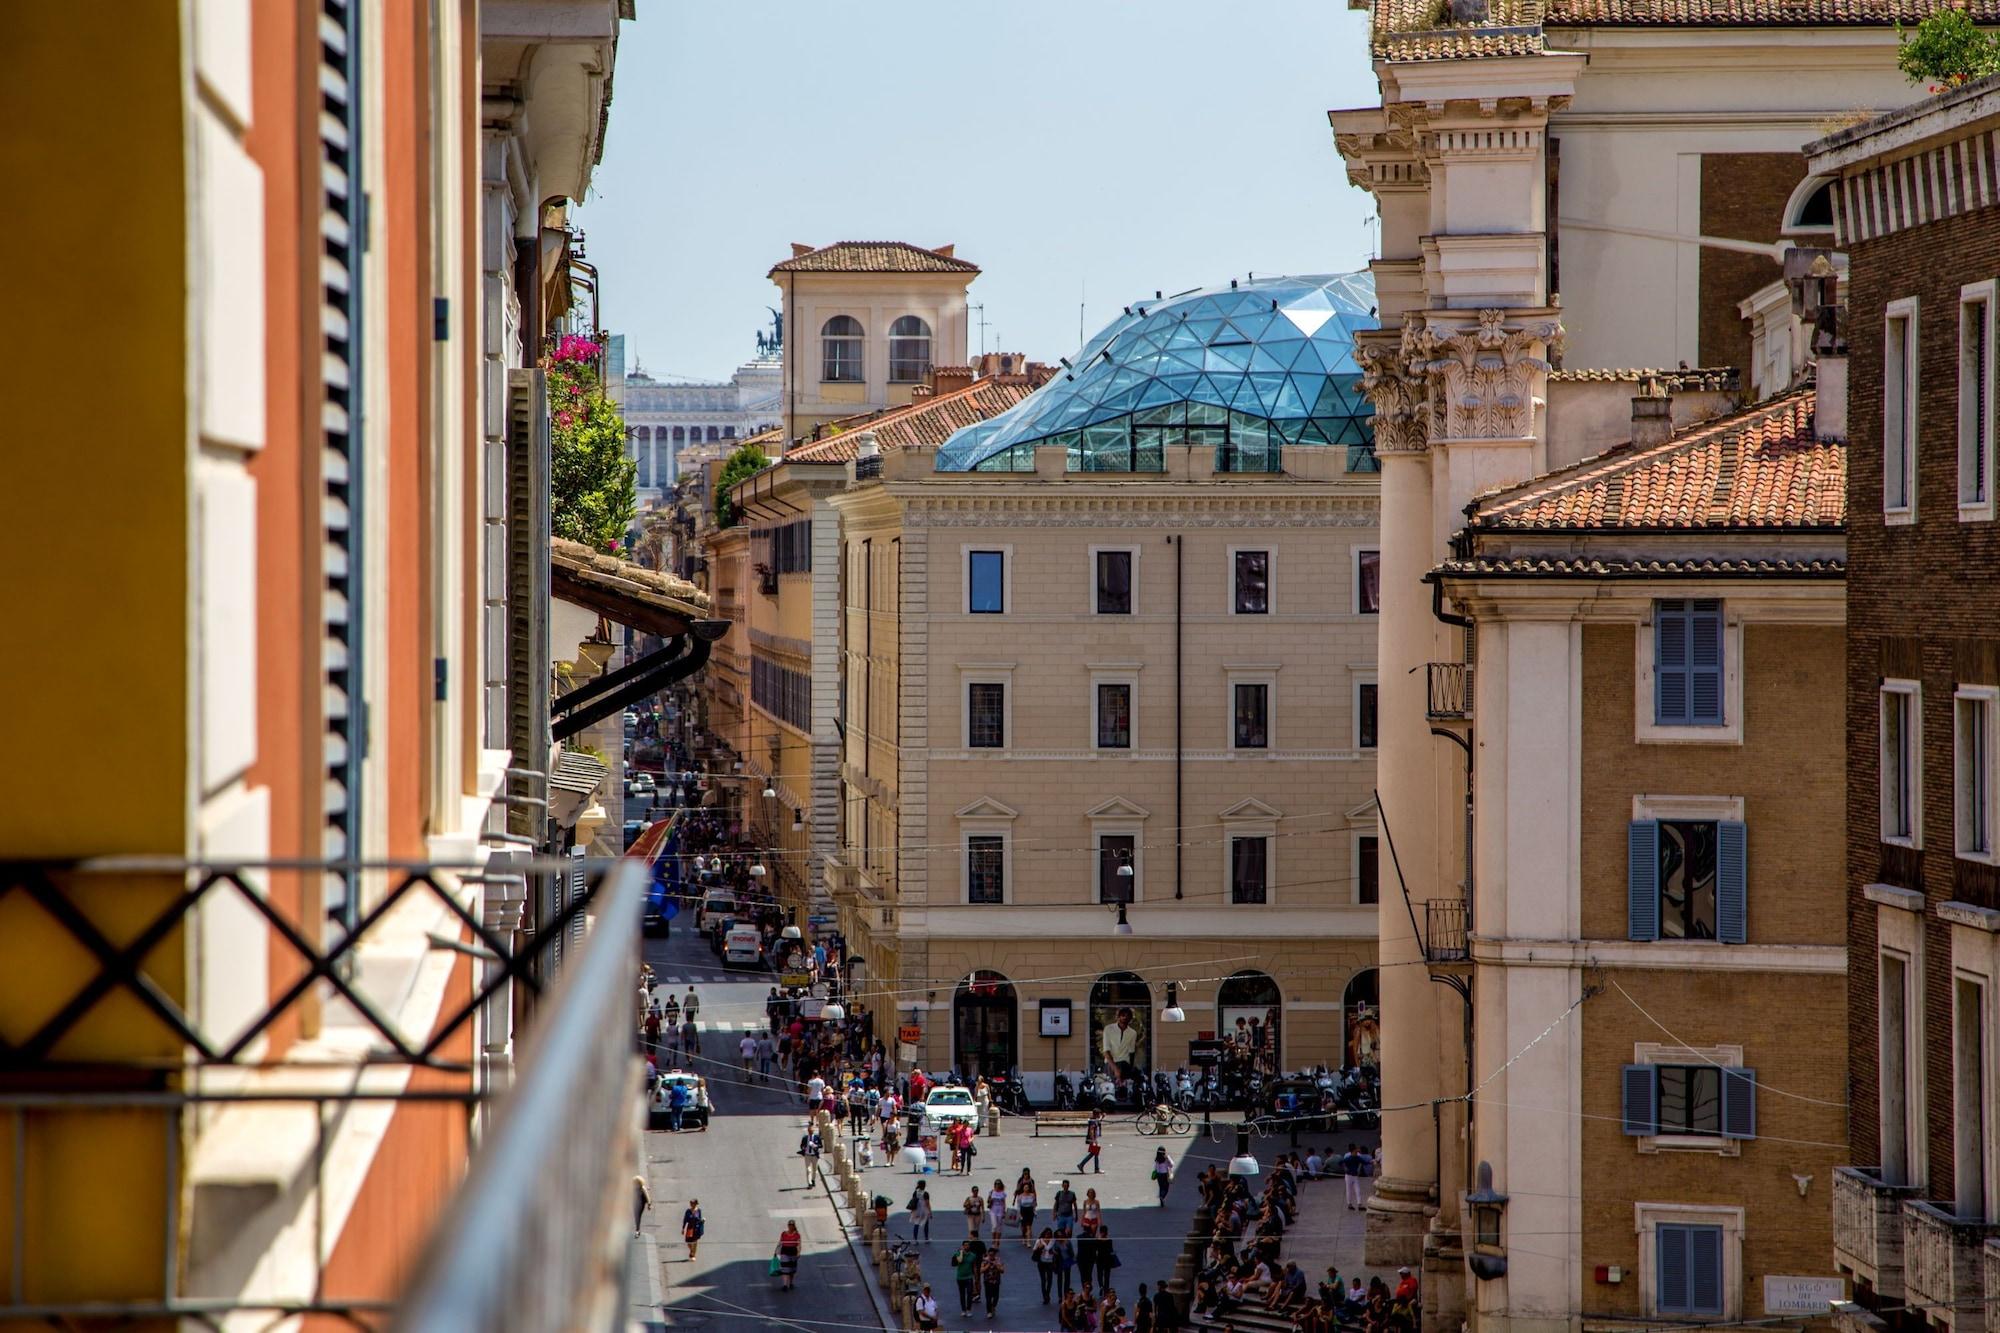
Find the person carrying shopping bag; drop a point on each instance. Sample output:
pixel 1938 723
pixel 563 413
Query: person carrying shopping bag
pixel 692 1225
pixel 785 1259
pixel 1093 1142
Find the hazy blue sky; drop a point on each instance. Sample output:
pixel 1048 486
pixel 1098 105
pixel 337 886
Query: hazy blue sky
pixel 1120 145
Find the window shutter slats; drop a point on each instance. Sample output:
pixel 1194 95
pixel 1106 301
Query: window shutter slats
pixel 1643 880
pixel 1674 1294
pixel 1640 1099
pixel 1739 1103
pixel 1704 1270
pixel 1670 662
pixel 1731 895
pixel 1705 663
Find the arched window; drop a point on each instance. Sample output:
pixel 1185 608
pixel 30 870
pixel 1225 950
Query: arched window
pixel 1811 206
pixel 840 339
pixel 985 1036
pixel 1361 1005
pixel 1249 1014
pixel 1121 1030
pixel 909 350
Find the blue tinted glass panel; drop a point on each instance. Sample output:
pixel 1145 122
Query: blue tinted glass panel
pixel 987 582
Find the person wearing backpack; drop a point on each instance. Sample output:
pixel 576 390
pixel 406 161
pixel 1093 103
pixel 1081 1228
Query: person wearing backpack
pixel 920 1214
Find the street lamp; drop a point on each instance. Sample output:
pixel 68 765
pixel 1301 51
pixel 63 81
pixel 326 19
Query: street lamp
pixel 1173 1013
pixel 1243 1163
pixel 769 790
pixel 1488 1259
pixel 833 1011
pixel 1123 927
pixel 757 869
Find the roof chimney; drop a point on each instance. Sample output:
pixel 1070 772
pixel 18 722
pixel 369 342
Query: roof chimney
pixel 950 379
pixel 798 249
pixel 1652 415
pixel 1830 398
pixel 944 250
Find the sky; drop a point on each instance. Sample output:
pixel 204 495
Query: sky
pixel 1079 151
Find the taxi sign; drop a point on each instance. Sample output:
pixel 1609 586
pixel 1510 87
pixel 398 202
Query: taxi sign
pixel 909 1034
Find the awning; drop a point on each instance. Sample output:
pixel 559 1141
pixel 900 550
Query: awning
pixel 627 594
pixel 572 782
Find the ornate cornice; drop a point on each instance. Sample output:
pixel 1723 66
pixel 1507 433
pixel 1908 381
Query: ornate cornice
pixel 1320 507
pixel 1485 379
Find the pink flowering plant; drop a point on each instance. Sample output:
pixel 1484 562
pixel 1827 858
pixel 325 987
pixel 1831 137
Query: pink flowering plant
pixel 592 497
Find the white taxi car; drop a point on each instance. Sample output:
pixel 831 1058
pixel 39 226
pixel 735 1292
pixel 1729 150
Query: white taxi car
pixel 659 1112
pixel 947 1106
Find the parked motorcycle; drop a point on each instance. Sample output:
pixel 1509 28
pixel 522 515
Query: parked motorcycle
pixel 1065 1092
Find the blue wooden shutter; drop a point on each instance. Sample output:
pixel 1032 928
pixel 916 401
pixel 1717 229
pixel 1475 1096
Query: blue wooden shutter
pixel 1705 663
pixel 1643 880
pixel 1739 1103
pixel 1670 662
pixel 1704 1270
pixel 1674 1295
pixel 1731 898
pixel 1640 1103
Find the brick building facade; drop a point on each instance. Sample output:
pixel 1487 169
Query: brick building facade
pixel 1916 216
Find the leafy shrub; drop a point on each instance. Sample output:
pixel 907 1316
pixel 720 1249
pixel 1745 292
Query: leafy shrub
pixel 1946 50
pixel 747 461
pixel 592 496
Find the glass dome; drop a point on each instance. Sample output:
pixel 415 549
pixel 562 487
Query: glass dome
pixel 1249 370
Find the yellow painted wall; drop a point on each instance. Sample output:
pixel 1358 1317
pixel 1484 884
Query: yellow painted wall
pixel 97 642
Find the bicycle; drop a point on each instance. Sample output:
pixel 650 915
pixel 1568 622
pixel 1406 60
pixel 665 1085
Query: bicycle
pixel 1162 1119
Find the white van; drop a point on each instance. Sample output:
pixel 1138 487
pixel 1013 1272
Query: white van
pixel 743 946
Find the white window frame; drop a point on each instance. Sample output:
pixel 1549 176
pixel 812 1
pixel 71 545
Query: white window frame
pixel 1801 195
pixel 1647 730
pixel 1121 674
pixel 928 338
pixel 1354 578
pixel 986 828
pixel 1354 865
pixel 1250 819
pixel 1267 676
pixel 1006 551
pixel 1722 1057
pixel 985 673
pixel 1270 580
pixel 1988 697
pixel 1913 732
pixel 1647 1218
pixel 1354 706
pixel 1982 294
pixel 1090 583
pixel 1904 309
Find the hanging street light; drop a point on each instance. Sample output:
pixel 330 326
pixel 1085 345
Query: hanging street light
pixel 1173 1013
pixel 1244 1163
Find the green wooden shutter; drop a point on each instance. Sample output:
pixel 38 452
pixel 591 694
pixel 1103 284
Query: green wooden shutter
pixel 1643 880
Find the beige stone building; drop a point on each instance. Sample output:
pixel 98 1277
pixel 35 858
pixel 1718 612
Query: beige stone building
pixel 1144 649
pixel 864 323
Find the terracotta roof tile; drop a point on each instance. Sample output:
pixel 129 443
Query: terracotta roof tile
pixel 1543 566
pixel 1422 30
pixel 1759 468
pixel 1751 13
pixel 874 257
pixel 927 421
pixel 1684 380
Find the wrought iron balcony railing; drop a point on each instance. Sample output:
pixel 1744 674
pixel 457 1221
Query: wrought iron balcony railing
pixel 1444 931
pixel 1450 691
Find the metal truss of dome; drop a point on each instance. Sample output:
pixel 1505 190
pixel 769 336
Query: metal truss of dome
pixel 1249 370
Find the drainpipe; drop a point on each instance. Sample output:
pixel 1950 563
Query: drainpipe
pixel 1180 826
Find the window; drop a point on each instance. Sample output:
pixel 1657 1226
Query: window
pixel 1705 1100
pixel 1249 869
pixel 985 868
pixel 1899 410
pixel 1812 206
pixel 1901 774
pixel 1975 401
pixel 1972 784
pixel 1114 583
pixel 1252 582
pixel 840 345
pixel 1894 1011
pixel 1687 880
pixel 1688 1271
pixel 986 715
pixel 1364 715
pixel 986 582
pixel 1368 582
pixel 1687 663
pixel 1116 852
pixel 1114 715
pixel 1367 871
pixel 1251 722
pixel 909 350
pixel 1968 1099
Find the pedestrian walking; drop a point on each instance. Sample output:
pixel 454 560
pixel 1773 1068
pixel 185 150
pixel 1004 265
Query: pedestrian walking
pixel 747 1048
pixel 1044 1255
pixel 965 1271
pixel 1090 1212
pixel 1065 1257
pixel 690 1038
pixel 920 1214
pixel 810 1147
pixel 677 1102
pixel 1065 1208
pixel 1025 1203
pixel 975 1212
pixel 996 1208
pixel 767 1051
pixel 1107 1257
pixel 1086 1257
pixel 652 1028
pixel 670 1014
pixel 1352 1164
pixel 691 1006
pixel 692 1225
pixel 991 1270
pixel 927 1309
pixel 1163 1173
pixel 1093 1142
pixel 642 1199
pixel 787 1256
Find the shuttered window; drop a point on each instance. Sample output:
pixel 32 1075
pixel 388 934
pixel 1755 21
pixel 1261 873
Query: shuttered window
pixel 1687 662
pixel 1703 1099
pixel 1687 879
pixel 1688 1272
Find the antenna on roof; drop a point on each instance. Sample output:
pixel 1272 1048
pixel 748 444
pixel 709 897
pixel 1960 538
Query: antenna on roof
pixel 981 308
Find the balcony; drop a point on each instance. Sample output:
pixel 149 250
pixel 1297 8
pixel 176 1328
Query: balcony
pixel 1450 691
pixel 1868 1229
pixel 1944 1265
pixel 1444 931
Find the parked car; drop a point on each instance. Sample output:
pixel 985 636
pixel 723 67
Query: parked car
pixel 633 828
pixel 714 906
pixel 743 946
pixel 639 784
pixel 945 1107
pixel 698 1110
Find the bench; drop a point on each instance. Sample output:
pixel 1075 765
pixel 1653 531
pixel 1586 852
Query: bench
pixel 1060 1121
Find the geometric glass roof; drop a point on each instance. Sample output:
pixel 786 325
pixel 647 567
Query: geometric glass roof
pixel 1267 364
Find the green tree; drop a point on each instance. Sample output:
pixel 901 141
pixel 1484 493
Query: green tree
pixel 592 496
pixel 1945 50
pixel 747 461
